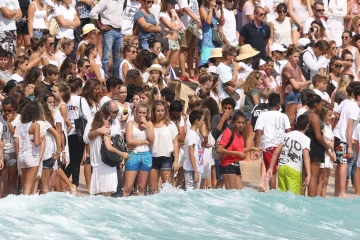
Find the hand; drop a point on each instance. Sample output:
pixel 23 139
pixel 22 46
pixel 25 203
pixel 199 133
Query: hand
pixel 350 153
pixel 143 121
pixel 124 118
pixel 306 182
pixel 257 149
pixel 173 12
pixel 2 144
pixel 330 10
pixel 56 156
pixel 230 89
pixel 199 24
pixel 104 131
pixel 2 164
pixel 125 155
pixel 236 66
pixel 269 173
pixel 196 180
pixel 333 157
pixel 105 27
pixel 225 116
pixel 175 165
pixel 240 155
pixel 212 4
pixel 10 118
pixel 63 157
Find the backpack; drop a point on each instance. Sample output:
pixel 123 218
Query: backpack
pixel 216 154
pixel 301 64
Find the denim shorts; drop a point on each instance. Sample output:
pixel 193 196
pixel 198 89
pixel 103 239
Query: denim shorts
pixel 162 163
pixel 49 163
pixel 293 98
pixel 139 161
pixel 38 33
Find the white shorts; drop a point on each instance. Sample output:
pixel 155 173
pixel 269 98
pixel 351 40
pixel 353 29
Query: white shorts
pixel 28 161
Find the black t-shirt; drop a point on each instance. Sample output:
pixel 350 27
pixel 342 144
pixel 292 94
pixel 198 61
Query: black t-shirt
pixel 256 36
pixel 257 110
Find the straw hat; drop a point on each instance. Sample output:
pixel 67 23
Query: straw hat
pixel 88 28
pixel 156 67
pixel 216 53
pixel 246 51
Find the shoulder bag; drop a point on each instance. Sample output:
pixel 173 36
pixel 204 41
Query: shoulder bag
pixel 109 158
pixel 80 125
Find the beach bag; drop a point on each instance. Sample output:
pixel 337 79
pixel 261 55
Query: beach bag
pixel 80 125
pixel 194 30
pixel 109 158
pixel 53 26
pixel 233 95
pixel 163 40
pixel 301 64
pixel 217 37
pixel 216 154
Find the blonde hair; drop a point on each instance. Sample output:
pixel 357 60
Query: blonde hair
pixel 160 82
pixel 203 93
pixel 176 86
pixel 207 117
pixel 251 81
pixel 266 93
pixel 164 62
pixel 204 76
pixel 194 101
pixel 129 39
pixel 65 42
pixel 345 80
pixel 166 118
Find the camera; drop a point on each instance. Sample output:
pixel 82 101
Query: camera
pixel 219 3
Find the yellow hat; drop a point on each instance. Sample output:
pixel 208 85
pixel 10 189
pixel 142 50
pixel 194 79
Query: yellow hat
pixel 88 28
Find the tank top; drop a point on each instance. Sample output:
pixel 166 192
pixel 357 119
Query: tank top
pixel 39 18
pixel 122 77
pixel 140 135
pixel 155 10
pixel 26 146
pixel 282 32
pixel 300 11
pixel 53 62
pixel 354 11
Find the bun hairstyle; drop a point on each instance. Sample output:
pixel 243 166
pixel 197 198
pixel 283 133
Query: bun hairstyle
pixel 312 99
pixel 35 43
pixel 204 76
pixel 152 41
pixel 292 49
pixel 203 93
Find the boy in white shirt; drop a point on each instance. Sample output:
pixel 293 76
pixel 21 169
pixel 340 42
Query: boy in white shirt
pixel 320 85
pixel 193 164
pixel 270 128
pixel 293 151
pixel 113 85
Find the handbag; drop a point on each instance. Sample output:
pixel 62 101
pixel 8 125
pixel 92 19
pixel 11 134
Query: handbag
pixel 53 26
pixel 109 158
pixel 163 40
pixel 80 125
pixel 194 30
pixel 217 37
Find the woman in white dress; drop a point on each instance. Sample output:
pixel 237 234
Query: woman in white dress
pixel 48 57
pixel 280 28
pixel 104 178
pixel 335 11
pixel 129 54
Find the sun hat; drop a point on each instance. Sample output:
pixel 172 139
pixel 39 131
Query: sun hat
pixel 156 67
pixel 277 47
pixel 88 28
pixel 246 51
pixel 216 53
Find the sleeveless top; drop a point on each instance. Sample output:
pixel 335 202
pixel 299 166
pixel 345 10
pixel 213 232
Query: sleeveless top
pixel 53 62
pixel 282 31
pixel 354 11
pixel 300 11
pixel 137 134
pixel 122 77
pixel 155 10
pixel 26 146
pixel 39 18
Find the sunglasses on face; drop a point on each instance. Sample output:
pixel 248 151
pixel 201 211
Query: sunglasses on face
pixel 133 52
pixel 230 1
pixel 348 60
pixel 320 10
pixel 56 74
pixel 149 2
pixel 344 37
pixel 338 65
pixel 261 14
pixel 282 11
pixel 333 48
pixel 87 66
pixel 51 44
pixel 6 110
pixel 115 112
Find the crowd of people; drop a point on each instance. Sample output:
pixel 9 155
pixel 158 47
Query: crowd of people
pixel 97 84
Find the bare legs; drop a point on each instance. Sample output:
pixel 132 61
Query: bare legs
pixel 141 183
pixel 232 181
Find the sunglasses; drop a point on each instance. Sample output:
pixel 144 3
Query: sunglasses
pixel 87 66
pixel 230 1
pixel 320 10
pixel 338 65
pixel 148 2
pixel 261 14
pixel 115 112
pixel 348 60
pixel 282 11
pixel 334 48
pixel 56 74
pixel 133 52
pixel 344 37
pixel 51 44
pixel 5 110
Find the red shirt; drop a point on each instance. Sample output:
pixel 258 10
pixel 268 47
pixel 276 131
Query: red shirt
pixel 236 145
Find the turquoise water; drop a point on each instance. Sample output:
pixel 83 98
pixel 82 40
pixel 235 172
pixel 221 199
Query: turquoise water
pixel 175 214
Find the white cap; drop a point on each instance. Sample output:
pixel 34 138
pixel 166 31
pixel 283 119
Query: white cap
pixel 277 47
pixel 212 69
pixel 302 42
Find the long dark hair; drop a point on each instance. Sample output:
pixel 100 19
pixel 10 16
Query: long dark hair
pixel 88 90
pixel 98 118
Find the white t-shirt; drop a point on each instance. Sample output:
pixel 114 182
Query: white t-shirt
pixel 6 136
pixel 74 111
pixel 192 138
pixel 356 136
pixel 292 150
pixel 8 24
pixel 50 142
pixel 308 22
pixel 229 27
pixel 225 75
pixel 349 111
pixel 273 125
pixel 128 17
pixel 103 100
pixel 300 112
pixel 68 15
pixel 17 77
pixel 324 95
pixel 194 7
pixel 163 141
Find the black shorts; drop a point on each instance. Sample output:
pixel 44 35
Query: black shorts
pixel 162 163
pixel 22 27
pixel 230 169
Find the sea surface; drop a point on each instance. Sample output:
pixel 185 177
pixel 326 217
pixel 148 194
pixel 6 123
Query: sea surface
pixel 175 214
